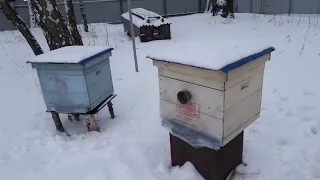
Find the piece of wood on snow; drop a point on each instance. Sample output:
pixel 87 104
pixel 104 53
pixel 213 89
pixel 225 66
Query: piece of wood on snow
pixel 93 124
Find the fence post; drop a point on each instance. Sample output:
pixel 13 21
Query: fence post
pixel 165 8
pixel 199 4
pixel 121 6
pixel 251 6
pixel 290 6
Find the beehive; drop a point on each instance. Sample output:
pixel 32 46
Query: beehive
pixel 223 100
pixel 74 79
pixel 147 25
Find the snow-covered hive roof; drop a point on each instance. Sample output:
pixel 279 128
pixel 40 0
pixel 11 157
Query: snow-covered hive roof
pixel 223 55
pixel 71 54
pixel 140 17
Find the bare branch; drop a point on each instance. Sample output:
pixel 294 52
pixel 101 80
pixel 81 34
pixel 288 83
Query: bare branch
pixel 19 23
pixel 305 38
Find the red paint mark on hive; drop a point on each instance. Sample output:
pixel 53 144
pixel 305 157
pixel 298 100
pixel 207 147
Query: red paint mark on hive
pixel 188 111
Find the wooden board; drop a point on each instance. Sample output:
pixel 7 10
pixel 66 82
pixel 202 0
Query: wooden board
pixel 204 123
pixel 240 129
pixel 243 89
pixel 244 71
pixel 209 101
pixel 238 114
pixel 207 82
pixel 190 70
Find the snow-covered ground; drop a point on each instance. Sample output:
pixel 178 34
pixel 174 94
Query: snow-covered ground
pixel 284 143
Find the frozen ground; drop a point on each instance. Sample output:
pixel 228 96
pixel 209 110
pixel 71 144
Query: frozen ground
pixel 283 144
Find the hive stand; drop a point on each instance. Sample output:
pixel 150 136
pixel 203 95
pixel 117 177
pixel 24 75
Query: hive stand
pixel 76 80
pixel 147 25
pixel 92 124
pixel 211 164
pixel 207 110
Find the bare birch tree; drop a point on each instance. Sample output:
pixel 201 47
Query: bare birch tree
pixel 224 8
pixel 31 15
pixel 19 23
pixel 83 16
pixel 72 23
pixel 51 21
pixel 48 16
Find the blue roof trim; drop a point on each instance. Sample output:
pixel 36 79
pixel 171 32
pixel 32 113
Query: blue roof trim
pixel 245 60
pixel 95 56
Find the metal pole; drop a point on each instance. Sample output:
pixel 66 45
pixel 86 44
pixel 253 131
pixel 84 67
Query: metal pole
pixel 133 36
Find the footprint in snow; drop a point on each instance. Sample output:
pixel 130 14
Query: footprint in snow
pixel 290 114
pixel 38 114
pixel 282 142
pixel 306 108
pixel 284 98
pixel 308 93
pixel 317 158
pixel 315 130
pixel 307 119
pixel 315 171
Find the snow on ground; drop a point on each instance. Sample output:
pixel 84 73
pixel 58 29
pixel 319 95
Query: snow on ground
pixel 282 144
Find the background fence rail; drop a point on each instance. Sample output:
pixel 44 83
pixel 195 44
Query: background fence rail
pixel 110 10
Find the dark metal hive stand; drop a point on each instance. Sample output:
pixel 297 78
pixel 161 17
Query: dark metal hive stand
pixel 211 164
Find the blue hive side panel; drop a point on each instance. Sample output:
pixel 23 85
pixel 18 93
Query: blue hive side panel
pixel 64 90
pixel 99 82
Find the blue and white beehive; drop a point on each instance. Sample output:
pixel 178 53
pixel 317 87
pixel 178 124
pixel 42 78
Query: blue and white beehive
pixel 214 88
pixel 74 79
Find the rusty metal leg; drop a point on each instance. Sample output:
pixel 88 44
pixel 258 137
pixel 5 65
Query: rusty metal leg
pixel 111 109
pixel 57 121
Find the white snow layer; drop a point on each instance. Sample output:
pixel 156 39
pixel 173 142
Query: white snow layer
pixel 144 12
pixel 282 144
pixel 143 22
pixel 214 54
pixel 69 54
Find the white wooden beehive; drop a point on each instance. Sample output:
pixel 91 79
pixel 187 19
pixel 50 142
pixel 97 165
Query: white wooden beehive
pixel 223 102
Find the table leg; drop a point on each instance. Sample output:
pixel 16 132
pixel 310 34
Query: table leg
pixel 57 121
pixel 111 109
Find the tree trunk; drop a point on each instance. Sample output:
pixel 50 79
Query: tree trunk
pixel 49 18
pixel 215 8
pixel 227 9
pixel 52 23
pixel 32 16
pixel 72 23
pixel 223 7
pixel 19 23
pixel 83 16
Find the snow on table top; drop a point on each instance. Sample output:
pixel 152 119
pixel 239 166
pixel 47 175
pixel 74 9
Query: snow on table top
pixel 71 54
pixel 146 14
pixel 222 55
